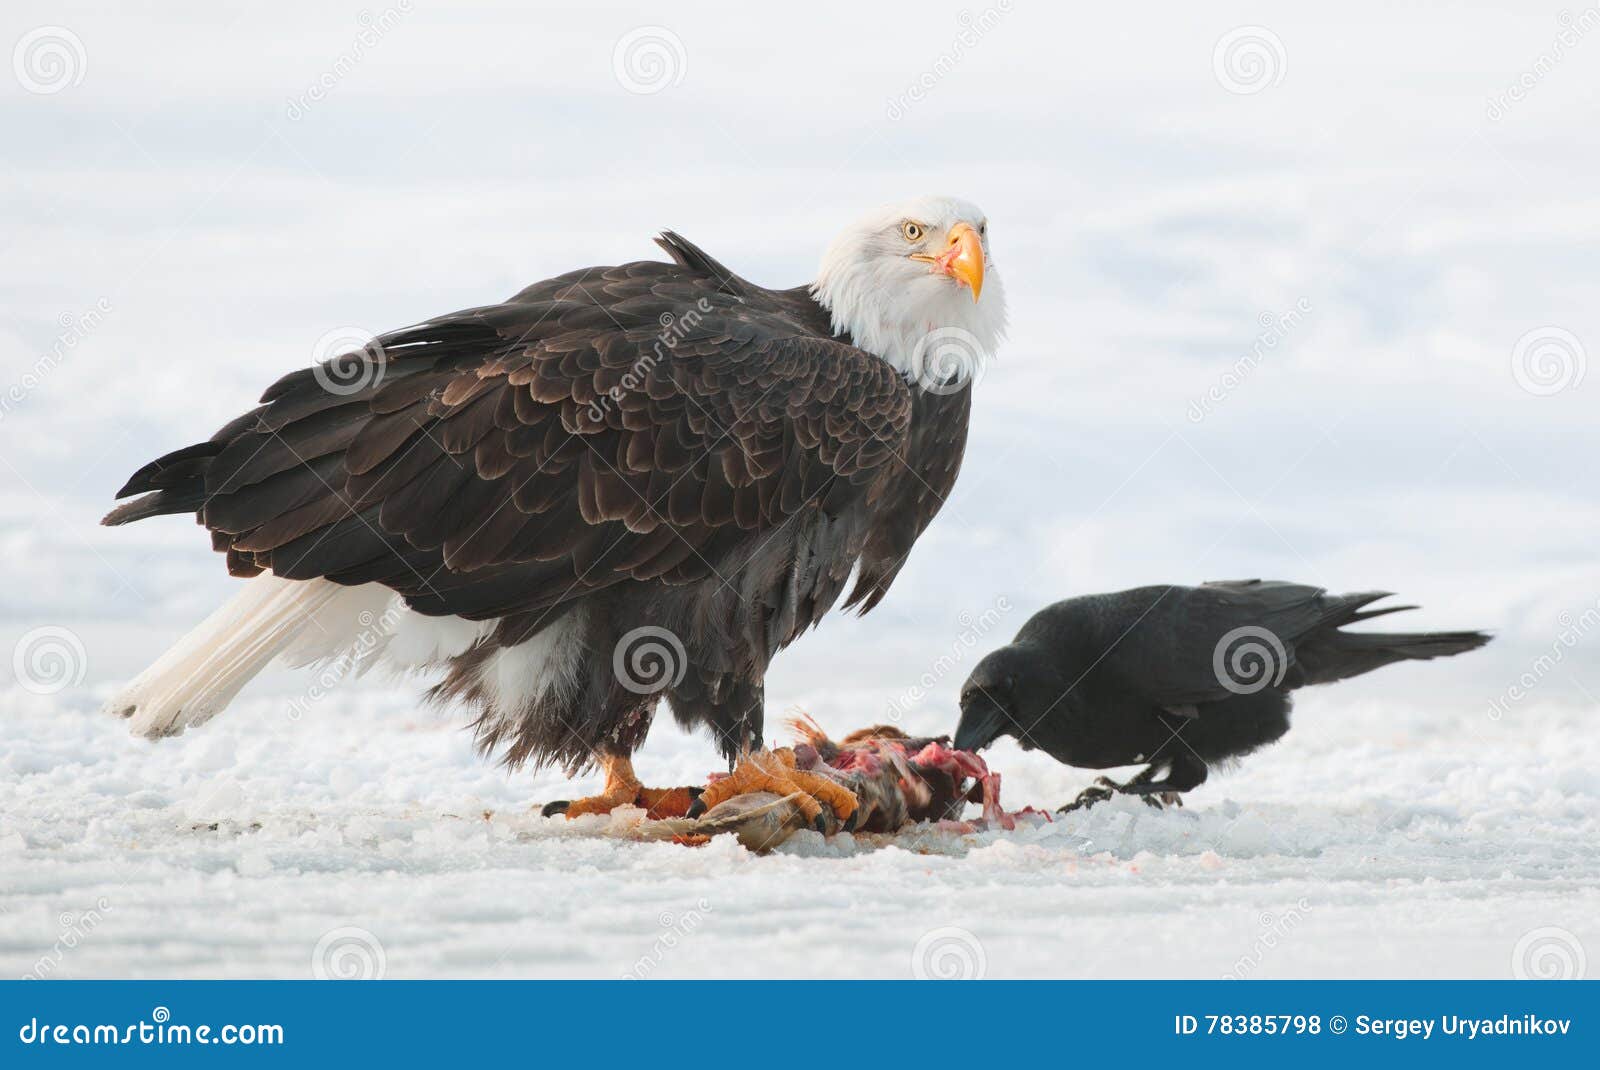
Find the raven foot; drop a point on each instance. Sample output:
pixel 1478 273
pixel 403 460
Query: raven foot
pixel 1156 794
pixel 1100 791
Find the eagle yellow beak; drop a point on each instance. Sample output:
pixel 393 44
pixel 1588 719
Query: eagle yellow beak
pixel 963 258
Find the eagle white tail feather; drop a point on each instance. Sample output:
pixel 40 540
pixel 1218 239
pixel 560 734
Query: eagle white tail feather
pixel 366 612
pixel 200 675
pixel 304 623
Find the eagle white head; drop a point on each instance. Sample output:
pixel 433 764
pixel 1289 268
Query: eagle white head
pixel 915 284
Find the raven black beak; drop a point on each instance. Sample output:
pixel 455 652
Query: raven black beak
pixel 981 724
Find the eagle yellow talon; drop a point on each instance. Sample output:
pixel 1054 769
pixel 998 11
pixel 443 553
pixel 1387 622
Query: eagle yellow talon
pixel 623 789
pixel 774 771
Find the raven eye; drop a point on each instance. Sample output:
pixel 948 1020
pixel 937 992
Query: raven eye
pixel 912 231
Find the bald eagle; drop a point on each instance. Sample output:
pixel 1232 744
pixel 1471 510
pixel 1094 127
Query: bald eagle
pixel 621 485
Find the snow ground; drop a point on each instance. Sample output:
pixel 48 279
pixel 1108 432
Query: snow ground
pixel 1374 841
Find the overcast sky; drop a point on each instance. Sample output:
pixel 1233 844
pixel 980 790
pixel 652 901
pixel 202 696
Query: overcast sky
pixel 1298 294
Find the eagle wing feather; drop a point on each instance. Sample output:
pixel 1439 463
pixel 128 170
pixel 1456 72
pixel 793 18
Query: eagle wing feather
pixel 635 422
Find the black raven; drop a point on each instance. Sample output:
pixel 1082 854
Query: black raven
pixel 1177 677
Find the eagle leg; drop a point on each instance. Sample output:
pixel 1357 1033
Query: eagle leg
pixel 622 788
pixel 775 771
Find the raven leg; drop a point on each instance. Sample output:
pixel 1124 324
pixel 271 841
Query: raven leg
pixel 622 788
pixel 1104 787
pixel 1186 773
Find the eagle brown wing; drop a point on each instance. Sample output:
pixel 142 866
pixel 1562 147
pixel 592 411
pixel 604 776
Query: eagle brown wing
pixel 636 422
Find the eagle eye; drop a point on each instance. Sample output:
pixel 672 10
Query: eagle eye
pixel 911 231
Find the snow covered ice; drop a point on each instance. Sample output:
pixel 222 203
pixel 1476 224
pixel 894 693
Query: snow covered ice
pixel 365 836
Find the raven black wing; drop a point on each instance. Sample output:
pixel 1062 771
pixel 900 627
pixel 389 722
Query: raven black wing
pixel 1179 646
